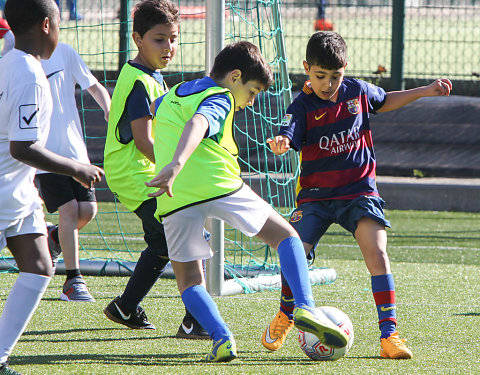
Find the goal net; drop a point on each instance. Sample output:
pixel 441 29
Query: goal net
pixel 111 243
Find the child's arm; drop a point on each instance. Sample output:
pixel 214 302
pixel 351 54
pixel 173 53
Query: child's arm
pixel 191 137
pixel 102 97
pixel 142 136
pixel 397 99
pixel 279 144
pixel 31 153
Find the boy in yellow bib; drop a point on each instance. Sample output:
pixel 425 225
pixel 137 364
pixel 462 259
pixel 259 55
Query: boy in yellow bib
pixel 195 155
pixel 129 159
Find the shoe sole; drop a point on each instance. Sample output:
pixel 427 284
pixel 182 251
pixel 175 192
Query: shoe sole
pixel 183 335
pixel 64 297
pixel 113 318
pixel 327 333
pixel 225 359
pixel 399 356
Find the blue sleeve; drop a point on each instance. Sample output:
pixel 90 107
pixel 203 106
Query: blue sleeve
pixel 376 97
pixel 294 124
pixel 215 108
pixel 138 103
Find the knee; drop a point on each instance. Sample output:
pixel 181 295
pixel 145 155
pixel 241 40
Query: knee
pixel 86 212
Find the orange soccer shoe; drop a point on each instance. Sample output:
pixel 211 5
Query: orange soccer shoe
pixel 394 347
pixel 277 331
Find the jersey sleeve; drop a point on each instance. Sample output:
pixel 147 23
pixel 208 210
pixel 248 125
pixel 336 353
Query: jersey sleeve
pixel 376 97
pixel 138 102
pixel 293 125
pixel 215 108
pixel 24 123
pixel 80 72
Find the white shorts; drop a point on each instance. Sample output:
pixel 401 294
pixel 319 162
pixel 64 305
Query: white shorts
pixel 243 210
pixel 33 223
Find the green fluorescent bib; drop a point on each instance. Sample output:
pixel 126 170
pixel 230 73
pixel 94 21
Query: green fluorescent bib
pixel 212 171
pixel 126 168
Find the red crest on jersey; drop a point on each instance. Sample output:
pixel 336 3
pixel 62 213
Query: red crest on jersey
pixel 353 106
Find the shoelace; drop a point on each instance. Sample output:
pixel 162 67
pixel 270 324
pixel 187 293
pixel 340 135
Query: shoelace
pixel 281 326
pixel 397 341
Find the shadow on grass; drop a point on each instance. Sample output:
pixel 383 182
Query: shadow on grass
pixel 177 359
pixel 30 336
pixel 468 314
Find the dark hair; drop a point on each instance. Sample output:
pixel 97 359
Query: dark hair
pixel 245 57
pixel 22 15
pixel 150 13
pixel 327 49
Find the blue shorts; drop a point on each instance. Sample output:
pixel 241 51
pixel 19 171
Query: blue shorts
pixel 312 219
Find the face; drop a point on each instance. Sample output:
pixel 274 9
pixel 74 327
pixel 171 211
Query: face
pixel 325 82
pixel 158 46
pixel 244 93
pixel 51 40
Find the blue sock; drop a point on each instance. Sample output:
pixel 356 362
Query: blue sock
pixel 203 308
pixel 293 262
pixel 383 288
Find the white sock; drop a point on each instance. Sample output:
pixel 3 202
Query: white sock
pixel 21 303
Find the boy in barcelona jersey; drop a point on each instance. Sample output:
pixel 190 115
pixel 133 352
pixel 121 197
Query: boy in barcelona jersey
pixel 328 123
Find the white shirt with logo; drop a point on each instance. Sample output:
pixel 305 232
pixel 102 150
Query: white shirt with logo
pixel 64 70
pixel 25 109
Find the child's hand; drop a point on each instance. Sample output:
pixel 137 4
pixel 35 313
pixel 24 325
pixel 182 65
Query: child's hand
pixel 279 144
pixel 164 181
pixel 441 87
pixel 88 175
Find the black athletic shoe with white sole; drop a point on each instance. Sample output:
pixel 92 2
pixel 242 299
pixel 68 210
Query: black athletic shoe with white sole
pixel 191 329
pixel 136 320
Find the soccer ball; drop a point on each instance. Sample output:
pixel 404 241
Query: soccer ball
pixel 317 351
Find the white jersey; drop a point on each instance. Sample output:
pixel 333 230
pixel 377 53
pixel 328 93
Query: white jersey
pixel 64 70
pixel 25 109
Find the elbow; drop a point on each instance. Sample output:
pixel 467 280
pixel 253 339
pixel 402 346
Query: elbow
pixel 20 151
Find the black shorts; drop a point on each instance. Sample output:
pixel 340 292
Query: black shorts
pixel 57 189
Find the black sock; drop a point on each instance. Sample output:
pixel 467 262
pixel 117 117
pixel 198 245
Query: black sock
pixel 72 273
pixel 148 269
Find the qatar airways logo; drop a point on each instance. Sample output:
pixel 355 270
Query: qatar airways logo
pixel 342 141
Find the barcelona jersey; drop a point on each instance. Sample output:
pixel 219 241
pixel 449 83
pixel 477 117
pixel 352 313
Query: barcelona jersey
pixel 335 141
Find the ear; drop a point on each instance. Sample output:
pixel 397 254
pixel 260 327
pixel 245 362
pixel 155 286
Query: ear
pixel 306 67
pixel 46 25
pixel 235 75
pixel 137 38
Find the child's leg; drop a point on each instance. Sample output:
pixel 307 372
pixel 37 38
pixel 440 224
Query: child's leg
pixel 191 284
pixel 33 259
pixel 280 235
pixel 73 216
pixel 372 239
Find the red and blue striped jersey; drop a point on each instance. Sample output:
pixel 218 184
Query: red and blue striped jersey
pixel 335 141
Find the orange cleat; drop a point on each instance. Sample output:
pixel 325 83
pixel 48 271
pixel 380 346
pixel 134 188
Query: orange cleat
pixel 394 347
pixel 276 332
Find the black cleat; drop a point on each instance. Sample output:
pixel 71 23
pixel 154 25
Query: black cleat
pixel 136 320
pixel 191 329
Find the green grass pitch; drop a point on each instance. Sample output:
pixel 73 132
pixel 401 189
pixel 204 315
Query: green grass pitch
pixel 436 263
